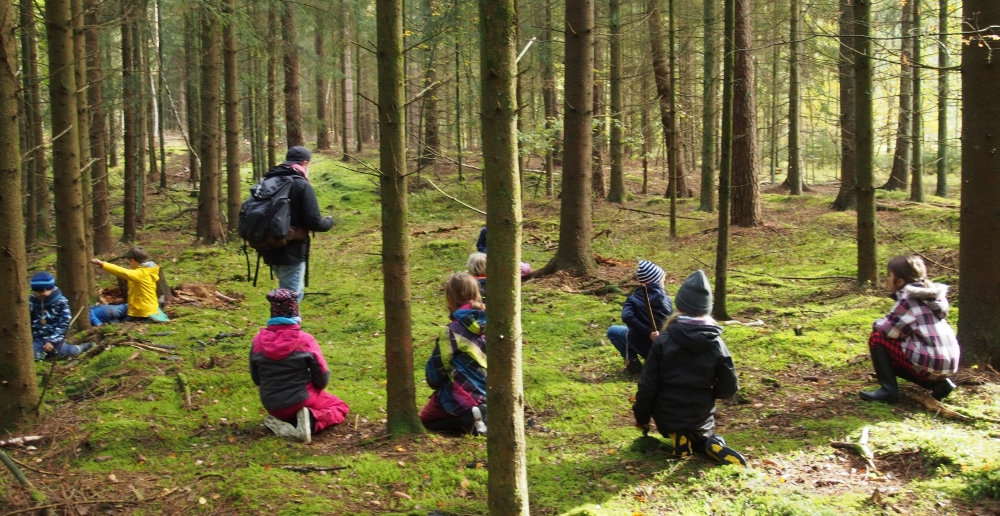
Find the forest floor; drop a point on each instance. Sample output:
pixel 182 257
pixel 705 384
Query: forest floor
pixel 121 437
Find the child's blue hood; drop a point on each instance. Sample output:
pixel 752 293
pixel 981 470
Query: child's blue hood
pixel 474 320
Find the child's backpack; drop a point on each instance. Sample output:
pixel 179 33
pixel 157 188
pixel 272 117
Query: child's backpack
pixel 265 217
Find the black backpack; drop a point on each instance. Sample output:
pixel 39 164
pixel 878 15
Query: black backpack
pixel 266 216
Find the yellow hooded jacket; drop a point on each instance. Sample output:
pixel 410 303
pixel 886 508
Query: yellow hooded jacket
pixel 142 300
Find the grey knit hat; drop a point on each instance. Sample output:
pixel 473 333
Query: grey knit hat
pixel 648 272
pixel 695 295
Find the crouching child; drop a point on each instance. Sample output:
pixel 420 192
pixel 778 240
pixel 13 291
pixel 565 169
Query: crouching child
pixel 287 365
pixel 688 368
pixel 50 320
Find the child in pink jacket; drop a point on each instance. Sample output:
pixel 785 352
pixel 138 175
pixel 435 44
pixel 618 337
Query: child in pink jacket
pixel 288 366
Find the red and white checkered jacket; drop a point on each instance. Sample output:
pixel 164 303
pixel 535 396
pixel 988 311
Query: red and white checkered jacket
pixel 919 320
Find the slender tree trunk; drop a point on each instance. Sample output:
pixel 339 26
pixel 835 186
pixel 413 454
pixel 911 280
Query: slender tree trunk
pixel 672 142
pixel 708 111
pixel 71 255
pixel 322 133
pixel 234 195
pixel 33 104
pixel 431 141
pixel 192 98
pixel 160 107
pixel 795 175
pixel 83 133
pixel 865 144
pixel 272 87
pixel 505 443
pixel 130 101
pixel 139 70
pixel 208 195
pixel 17 366
pixel 401 411
pixel 979 282
pixel 647 134
pixel 899 178
pixel 847 196
pixel 661 70
pixel 719 305
pixel 31 120
pixel 943 63
pixel 746 156
pixel 774 122
pixel 575 254
pixel 617 191
pixel 549 99
pixel 358 106
pixel 917 183
pixel 347 92
pixel 458 107
pixel 293 101
pixel 597 151
pixel 95 79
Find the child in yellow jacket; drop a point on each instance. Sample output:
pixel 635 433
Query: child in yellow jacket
pixel 141 278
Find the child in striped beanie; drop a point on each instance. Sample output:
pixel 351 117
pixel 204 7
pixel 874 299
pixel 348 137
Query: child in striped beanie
pixel 644 313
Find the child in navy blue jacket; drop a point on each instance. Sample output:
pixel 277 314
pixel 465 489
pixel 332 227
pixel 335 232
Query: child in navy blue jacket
pixel 649 300
pixel 50 318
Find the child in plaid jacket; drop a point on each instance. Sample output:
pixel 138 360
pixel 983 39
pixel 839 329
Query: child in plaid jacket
pixel 914 340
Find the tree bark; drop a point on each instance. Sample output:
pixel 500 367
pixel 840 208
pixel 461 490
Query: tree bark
pixel 95 79
pixel 847 196
pixel 272 87
pixel 978 279
pixel 192 98
pixel 322 133
pixel 401 411
pixel 28 119
pixel 941 189
pixel 899 178
pixel 708 111
pixel 505 443
pixel 661 71
pixel 83 133
pixel 795 175
pixel 130 100
pixel 347 91
pixel 865 144
pixel 293 100
pixel 597 151
pixel 575 255
pixel 917 182
pixel 549 99
pixel 34 125
pixel 208 195
pixel 616 193
pixel 17 366
pixel 746 156
pixel 71 255
pixel 719 306
pixel 234 195
pixel 647 133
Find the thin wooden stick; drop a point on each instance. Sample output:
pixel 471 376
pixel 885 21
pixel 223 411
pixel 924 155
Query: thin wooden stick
pixel 477 210
pixel 658 214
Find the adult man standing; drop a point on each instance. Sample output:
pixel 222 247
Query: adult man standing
pixel 289 263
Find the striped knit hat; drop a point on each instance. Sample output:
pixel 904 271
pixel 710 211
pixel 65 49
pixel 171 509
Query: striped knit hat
pixel 42 281
pixel 284 303
pixel 649 272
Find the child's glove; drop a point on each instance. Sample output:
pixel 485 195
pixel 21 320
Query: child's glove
pixel 644 428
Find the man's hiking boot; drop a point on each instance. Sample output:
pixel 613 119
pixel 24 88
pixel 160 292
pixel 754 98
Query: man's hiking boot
pixel 941 389
pixel 683 446
pixel 716 449
pixel 479 426
pixel 633 366
pixel 889 389
pixel 304 426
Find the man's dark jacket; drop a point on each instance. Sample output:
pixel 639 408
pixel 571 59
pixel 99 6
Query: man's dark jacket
pixel 305 214
pixel 688 368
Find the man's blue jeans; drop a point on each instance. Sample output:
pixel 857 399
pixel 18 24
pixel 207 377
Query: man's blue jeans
pixel 291 277
pixel 618 335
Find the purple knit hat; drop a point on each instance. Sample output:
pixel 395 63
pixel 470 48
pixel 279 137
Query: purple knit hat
pixel 284 303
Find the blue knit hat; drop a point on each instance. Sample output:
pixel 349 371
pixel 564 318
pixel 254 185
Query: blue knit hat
pixel 649 272
pixel 42 281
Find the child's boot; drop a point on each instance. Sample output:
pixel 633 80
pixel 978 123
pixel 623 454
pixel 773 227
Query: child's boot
pixel 942 388
pixel 683 446
pixel 303 426
pixel 279 427
pixel 886 374
pixel 479 426
pixel 633 366
pixel 716 449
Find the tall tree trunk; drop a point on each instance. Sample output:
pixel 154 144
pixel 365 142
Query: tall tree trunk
pixel 661 71
pixel 29 120
pixel 746 156
pixel 899 178
pixel 508 481
pixel 17 367
pixel 234 195
pixel 549 99
pixel 95 78
pixel 943 91
pixel 719 305
pixel 979 281
pixel 847 196
pixel 272 87
pixel 83 133
pixel 346 91
pixel 647 135
pixel 160 107
pixel 708 111
pixel 673 141
pixel 33 106
pixel 139 69
pixel 71 255
pixel 917 183
pixel 616 193
pixel 430 142
pixel 401 412
pixel 575 254
pixel 208 195
pixel 597 175
pixel 865 143
pixel 192 98
pixel 774 122
pixel 322 133
pixel 130 99
pixel 795 175
pixel 458 107
pixel 293 100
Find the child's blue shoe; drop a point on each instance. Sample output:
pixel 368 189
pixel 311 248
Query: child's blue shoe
pixel 716 449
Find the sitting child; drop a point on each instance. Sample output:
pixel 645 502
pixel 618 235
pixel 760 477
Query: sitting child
pixel 477 268
pixel 457 371
pixel 913 341
pixel 142 277
pixel 481 247
pixel 288 366
pixel 688 368
pixel 649 301
pixel 50 318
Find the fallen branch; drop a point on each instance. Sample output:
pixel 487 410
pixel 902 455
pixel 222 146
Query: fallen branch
pixel 20 441
pixel 224 297
pixel 800 278
pixel 914 251
pixel 313 469
pixel 942 410
pixel 32 468
pixel 477 210
pixel 18 474
pixel 659 214
pixel 182 381
pixel 75 502
pixel 147 347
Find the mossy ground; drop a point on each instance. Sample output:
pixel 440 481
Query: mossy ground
pixel 122 436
